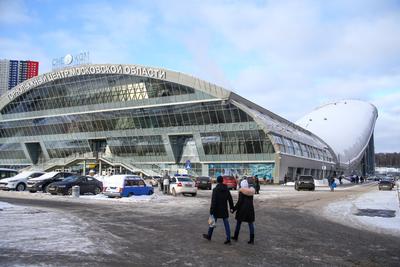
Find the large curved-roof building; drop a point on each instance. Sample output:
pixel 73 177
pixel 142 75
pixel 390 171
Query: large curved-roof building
pixel 131 118
pixel 348 127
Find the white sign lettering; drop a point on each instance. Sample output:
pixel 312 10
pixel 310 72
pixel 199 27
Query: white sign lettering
pixel 86 70
pixel 70 60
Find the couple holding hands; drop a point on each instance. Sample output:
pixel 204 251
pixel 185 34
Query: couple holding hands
pixel 244 209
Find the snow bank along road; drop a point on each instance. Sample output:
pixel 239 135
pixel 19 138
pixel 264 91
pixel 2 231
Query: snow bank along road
pixel 44 230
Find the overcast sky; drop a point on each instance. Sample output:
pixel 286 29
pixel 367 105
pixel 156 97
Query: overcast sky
pixel 287 56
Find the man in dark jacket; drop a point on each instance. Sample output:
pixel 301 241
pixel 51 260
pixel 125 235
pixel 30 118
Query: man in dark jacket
pixel 219 208
pixel 257 184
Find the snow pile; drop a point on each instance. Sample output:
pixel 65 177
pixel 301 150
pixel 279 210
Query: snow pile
pixel 30 229
pixel 345 212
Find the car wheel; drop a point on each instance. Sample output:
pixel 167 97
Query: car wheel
pixel 69 191
pixel 194 194
pixel 97 191
pixel 20 187
pixel 173 192
pixel 130 194
pixel 150 192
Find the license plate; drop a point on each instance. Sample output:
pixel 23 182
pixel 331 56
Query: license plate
pixel 188 185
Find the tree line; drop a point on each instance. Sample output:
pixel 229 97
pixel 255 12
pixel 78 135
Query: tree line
pixel 387 160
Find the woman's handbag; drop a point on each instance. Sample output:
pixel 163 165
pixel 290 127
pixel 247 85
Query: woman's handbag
pixel 211 221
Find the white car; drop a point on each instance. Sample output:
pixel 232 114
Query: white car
pixel 182 185
pixel 19 181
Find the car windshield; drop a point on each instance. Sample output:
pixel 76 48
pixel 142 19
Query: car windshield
pixel 204 178
pixel 306 178
pixel 71 179
pixel 22 175
pixel 48 175
pixel 185 180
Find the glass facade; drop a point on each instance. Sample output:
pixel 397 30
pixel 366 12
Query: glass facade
pixel 11 151
pixel 296 148
pixel 236 142
pixel 65 148
pixel 93 89
pixel 156 117
pixel 137 146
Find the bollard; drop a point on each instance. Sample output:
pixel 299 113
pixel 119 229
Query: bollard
pixel 398 191
pixel 75 191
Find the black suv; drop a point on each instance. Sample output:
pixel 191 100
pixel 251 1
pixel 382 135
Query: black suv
pixel 304 182
pixel 203 182
pixel 386 184
pixel 87 184
pixel 40 183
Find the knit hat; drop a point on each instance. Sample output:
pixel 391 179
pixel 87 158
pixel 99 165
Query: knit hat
pixel 244 184
pixel 220 179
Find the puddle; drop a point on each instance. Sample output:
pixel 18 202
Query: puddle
pixel 376 213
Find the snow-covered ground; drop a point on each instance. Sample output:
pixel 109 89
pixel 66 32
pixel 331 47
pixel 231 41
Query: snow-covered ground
pixel 30 229
pixel 345 212
pixel 158 197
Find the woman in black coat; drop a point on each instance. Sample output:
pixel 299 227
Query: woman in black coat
pixel 245 210
pixel 219 208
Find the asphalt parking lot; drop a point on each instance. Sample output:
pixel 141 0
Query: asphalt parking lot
pixel 167 232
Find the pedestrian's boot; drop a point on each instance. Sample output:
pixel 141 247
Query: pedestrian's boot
pixel 227 242
pixel 206 236
pixel 236 236
pixel 251 241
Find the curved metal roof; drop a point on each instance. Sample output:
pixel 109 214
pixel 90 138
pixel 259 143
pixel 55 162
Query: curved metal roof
pixel 346 125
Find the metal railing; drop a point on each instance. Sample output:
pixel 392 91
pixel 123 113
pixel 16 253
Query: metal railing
pixel 127 163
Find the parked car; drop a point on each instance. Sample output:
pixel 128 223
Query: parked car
pixel 385 184
pixel 203 182
pixel 126 186
pixel 7 173
pixel 87 184
pixel 182 185
pixel 304 182
pixel 18 182
pixel 40 183
pixel 230 182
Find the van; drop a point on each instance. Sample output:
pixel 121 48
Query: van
pixel 125 186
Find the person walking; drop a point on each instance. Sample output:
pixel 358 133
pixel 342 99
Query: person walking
pixel 256 184
pixel 162 183
pixel 329 180
pixel 333 185
pixel 219 208
pixel 340 179
pixel 166 183
pixel 245 210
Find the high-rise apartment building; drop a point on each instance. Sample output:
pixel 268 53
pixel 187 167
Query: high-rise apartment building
pixel 13 72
